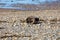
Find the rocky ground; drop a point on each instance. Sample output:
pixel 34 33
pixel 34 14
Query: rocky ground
pixel 11 27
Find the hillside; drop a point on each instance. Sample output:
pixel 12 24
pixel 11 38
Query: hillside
pixel 55 5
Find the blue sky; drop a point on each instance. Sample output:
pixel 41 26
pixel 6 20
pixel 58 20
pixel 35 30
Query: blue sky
pixel 25 1
pixel 9 2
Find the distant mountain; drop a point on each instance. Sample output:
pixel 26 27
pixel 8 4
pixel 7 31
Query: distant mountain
pixel 50 5
pixel 55 5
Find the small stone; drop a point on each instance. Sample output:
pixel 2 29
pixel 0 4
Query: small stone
pixel 58 38
pixel 33 20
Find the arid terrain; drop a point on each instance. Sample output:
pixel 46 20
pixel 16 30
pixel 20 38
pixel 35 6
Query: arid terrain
pixel 14 26
pixel 11 27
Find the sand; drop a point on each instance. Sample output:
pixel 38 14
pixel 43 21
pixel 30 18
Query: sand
pixel 11 28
